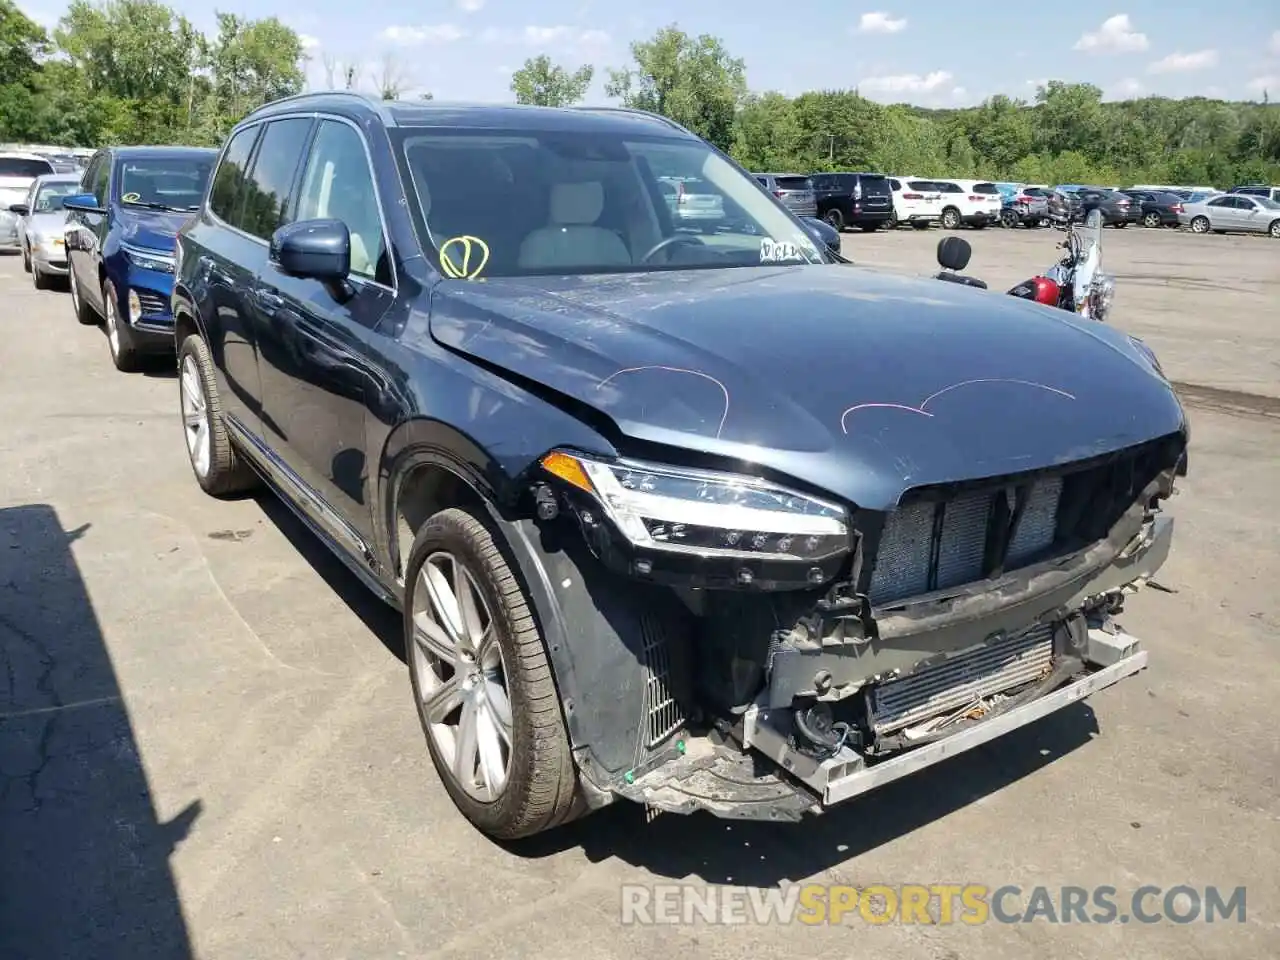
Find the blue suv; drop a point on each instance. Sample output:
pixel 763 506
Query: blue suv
pixel 693 515
pixel 120 242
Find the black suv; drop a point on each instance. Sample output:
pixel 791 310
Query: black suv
pixel 687 519
pixel 853 199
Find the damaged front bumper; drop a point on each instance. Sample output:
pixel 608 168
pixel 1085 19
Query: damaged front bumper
pixel 930 689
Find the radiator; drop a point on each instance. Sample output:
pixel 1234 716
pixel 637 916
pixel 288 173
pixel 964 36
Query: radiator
pixel 1002 664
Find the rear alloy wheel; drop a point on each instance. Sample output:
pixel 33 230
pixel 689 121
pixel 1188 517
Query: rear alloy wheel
pixel 1151 220
pixel 951 218
pixel 482 684
pixel 1274 229
pixel 84 313
pixel 835 219
pixel 1200 225
pixel 1009 219
pixel 119 338
pixel 214 460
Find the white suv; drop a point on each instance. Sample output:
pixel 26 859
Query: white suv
pixel 975 203
pixel 915 201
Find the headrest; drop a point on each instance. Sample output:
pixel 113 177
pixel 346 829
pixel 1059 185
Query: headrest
pixel 577 203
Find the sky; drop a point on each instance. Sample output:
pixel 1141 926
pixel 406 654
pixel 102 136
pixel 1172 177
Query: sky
pixel 927 53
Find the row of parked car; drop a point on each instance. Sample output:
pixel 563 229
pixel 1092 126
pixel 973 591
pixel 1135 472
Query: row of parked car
pixel 871 201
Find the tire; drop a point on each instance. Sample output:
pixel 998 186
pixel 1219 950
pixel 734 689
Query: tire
pixel 1009 219
pixel 1200 225
pixel 834 219
pixel 539 786
pixel 1274 229
pixel 84 313
pixel 920 224
pixel 119 337
pixel 1151 220
pixel 1121 225
pixel 39 279
pixel 951 219
pixel 979 225
pixel 869 227
pixel 26 258
pixel 222 472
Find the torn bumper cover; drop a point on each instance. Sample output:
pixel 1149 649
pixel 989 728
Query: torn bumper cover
pixel 975 679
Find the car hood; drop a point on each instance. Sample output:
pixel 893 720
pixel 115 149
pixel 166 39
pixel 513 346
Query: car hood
pixel 153 229
pixel 51 224
pixel 862 383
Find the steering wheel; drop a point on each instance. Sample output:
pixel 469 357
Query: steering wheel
pixel 670 241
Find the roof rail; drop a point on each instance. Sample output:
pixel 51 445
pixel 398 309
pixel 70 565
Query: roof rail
pixel 365 98
pixel 635 112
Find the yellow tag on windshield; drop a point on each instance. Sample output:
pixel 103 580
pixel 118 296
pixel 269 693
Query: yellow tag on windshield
pixel 464 258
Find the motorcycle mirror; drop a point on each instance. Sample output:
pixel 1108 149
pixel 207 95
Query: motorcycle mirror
pixel 954 253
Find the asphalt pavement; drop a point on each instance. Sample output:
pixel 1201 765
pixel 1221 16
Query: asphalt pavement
pixel 208 749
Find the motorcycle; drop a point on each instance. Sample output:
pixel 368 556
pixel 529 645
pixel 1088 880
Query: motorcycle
pixel 1075 283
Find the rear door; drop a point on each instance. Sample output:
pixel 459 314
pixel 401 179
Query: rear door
pixel 219 263
pixel 987 198
pixel 795 192
pixel 317 376
pixel 877 195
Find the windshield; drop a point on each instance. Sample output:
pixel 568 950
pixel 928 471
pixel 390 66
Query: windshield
pixel 553 202
pixel 50 196
pixel 170 183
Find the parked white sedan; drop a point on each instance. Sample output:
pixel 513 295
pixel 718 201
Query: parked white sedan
pixel 1233 213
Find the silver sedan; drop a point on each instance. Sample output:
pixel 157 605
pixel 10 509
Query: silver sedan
pixel 41 225
pixel 1232 213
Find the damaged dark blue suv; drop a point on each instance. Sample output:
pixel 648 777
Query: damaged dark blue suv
pixel 704 519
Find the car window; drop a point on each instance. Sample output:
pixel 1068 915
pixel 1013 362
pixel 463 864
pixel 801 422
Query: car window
pixel 566 202
pixel 985 188
pixel 101 180
pixel 24 167
pixel 794 183
pixel 49 197
pixel 894 184
pixel 228 179
pixel 267 188
pixel 338 184
pixel 173 183
pixel 923 185
pixel 948 187
pixel 1267 203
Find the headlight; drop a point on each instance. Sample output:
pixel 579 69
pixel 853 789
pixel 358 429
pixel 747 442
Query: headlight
pixel 706 513
pixel 155 260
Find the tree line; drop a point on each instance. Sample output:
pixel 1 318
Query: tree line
pixel 135 71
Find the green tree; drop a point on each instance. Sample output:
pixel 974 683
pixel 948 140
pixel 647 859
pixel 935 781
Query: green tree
pixel 548 84
pixel 692 80
pixel 22 43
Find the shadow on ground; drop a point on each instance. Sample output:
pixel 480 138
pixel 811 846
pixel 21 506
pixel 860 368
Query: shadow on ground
pixel 85 865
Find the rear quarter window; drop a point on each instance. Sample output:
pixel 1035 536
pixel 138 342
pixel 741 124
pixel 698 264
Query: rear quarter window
pixel 985 188
pixel 794 183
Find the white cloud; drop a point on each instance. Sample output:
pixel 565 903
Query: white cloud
pixel 881 22
pixel 1116 35
pixel 1128 87
pixel 1184 62
pixel 470 6
pixel 537 36
pixel 414 36
pixel 907 82
pixel 1274 46
pixel 1264 84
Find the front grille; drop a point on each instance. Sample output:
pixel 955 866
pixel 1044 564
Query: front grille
pixel 153 304
pixel 935 545
pixel 663 715
pixel 1000 665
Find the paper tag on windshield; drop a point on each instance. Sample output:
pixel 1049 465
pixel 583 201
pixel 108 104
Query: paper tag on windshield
pixel 779 251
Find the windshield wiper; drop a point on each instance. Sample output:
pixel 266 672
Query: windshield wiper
pixel 158 206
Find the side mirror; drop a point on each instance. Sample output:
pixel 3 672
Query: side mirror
pixel 313 249
pixel 82 203
pixel 21 209
pixel 823 232
pixel 954 253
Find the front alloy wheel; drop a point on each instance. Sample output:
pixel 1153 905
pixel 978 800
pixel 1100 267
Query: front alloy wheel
pixel 482 683
pixel 1200 225
pixel 951 218
pixel 195 417
pixel 462 679
pixel 119 340
pixel 1151 220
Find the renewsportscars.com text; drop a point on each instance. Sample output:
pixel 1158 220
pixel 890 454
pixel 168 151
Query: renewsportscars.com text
pixel 933 904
